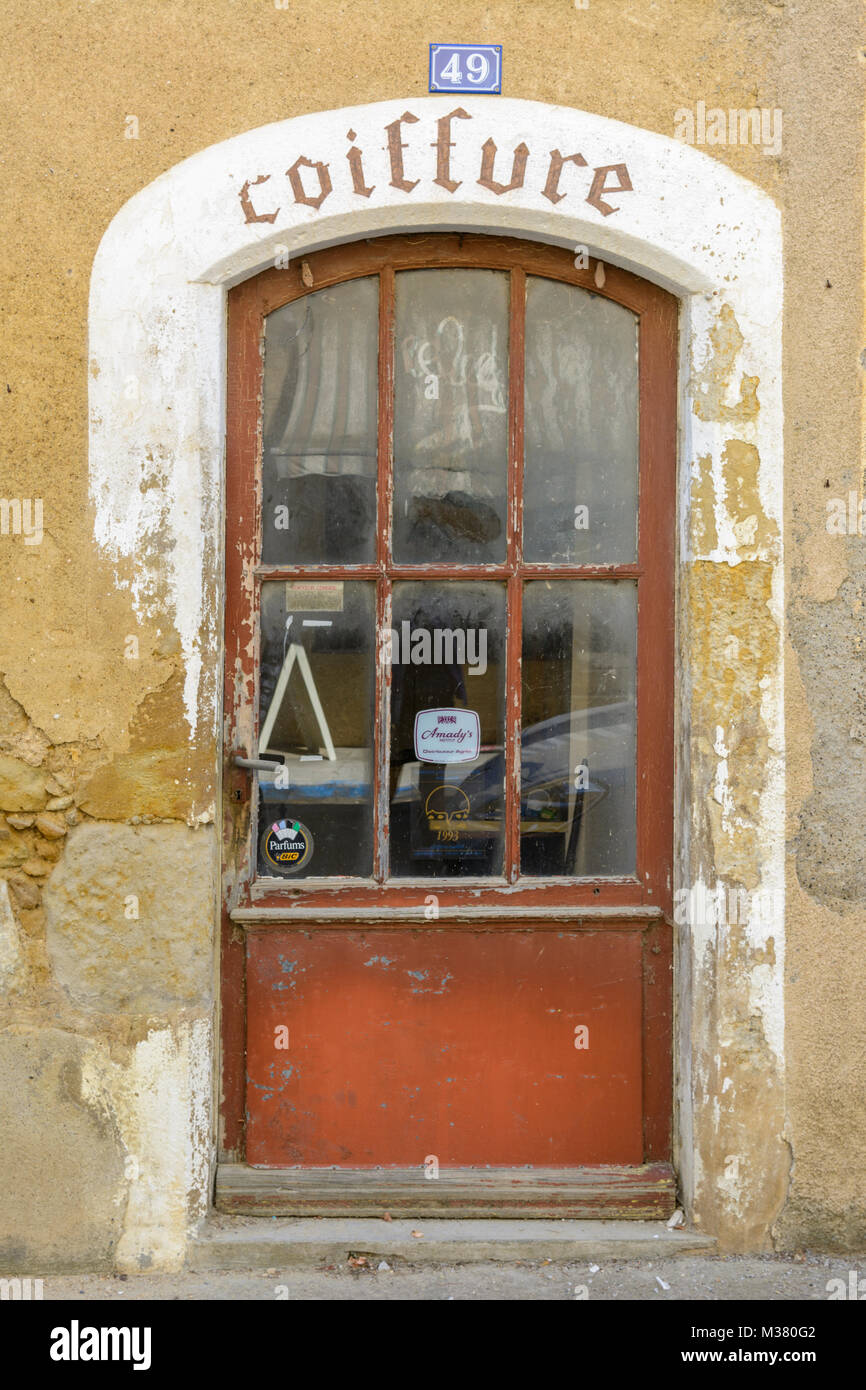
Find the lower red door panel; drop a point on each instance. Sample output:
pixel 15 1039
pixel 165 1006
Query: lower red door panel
pixel 385 1047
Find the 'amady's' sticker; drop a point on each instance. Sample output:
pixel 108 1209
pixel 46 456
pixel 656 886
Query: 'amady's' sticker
pixel 447 735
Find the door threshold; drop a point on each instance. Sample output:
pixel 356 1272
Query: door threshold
pixel 644 1192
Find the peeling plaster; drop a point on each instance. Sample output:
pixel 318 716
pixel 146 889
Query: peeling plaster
pixel 160 1105
pixel 733 601
pixel 716 395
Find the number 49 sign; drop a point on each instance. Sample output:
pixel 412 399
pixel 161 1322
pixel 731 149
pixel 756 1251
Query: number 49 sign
pixel 465 67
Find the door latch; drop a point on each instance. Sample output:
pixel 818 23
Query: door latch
pixel 256 764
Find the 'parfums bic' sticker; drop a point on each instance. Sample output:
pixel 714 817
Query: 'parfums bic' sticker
pixel 287 846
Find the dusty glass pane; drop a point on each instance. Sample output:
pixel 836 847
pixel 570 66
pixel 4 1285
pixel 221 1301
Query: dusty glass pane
pixel 577 797
pixel 316 719
pixel 581 427
pixel 320 412
pixel 450 416
pixel 447 657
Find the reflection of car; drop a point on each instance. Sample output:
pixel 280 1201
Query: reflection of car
pixel 569 763
pixel 581 756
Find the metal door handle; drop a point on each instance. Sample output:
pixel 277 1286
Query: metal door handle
pixel 257 764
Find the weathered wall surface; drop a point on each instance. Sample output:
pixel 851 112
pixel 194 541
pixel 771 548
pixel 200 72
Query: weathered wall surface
pixel 107 772
pixel 826 688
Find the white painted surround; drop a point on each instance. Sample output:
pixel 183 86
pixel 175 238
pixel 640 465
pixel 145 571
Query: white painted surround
pixel 157 367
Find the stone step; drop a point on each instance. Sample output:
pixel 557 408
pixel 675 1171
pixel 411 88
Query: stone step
pixel 232 1242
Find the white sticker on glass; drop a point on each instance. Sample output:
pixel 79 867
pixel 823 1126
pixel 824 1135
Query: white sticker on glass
pixel 447 735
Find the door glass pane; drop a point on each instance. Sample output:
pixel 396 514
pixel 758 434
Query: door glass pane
pixel 577 797
pixel 581 427
pixel 320 412
pixel 447 658
pixel 316 719
pixel 450 416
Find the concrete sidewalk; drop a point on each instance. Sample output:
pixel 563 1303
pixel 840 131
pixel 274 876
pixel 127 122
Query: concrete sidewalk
pixel 769 1278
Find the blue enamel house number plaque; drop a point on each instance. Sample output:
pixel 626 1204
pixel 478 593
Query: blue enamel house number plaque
pixel 466 67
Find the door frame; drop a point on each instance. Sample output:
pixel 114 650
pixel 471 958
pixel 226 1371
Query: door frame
pixel 641 903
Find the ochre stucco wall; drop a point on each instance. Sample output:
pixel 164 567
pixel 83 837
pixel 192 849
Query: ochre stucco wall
pixel 96 765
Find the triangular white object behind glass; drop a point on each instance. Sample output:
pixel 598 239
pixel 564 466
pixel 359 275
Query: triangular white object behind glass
pixel 296 655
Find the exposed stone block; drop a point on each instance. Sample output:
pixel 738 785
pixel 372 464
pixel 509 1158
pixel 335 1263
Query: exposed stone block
pixel 25 893
pixel 129 916
pixel 22 788
pixel 11 955
pixel 53 827
pixel 36 867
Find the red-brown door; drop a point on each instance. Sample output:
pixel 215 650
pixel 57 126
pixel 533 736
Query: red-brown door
pixel 448 732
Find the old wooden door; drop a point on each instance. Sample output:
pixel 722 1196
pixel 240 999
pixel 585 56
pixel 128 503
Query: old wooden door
pixel 448 733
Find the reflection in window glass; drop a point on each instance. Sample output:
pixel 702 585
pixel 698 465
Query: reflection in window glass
pixel 581 427
pixel 316 719
pixel 450 416
pixel 577 797
pixel 320 412
pixel 447 653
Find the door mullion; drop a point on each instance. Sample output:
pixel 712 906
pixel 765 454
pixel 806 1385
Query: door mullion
pixel 513 667
pixel 384 491
pixel 514 541
pixel 381 805
pixel 385 472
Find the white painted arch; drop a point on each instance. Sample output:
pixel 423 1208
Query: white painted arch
pixel 157 349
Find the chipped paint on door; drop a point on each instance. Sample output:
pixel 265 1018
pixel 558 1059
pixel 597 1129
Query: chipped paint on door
pixel 481 1048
